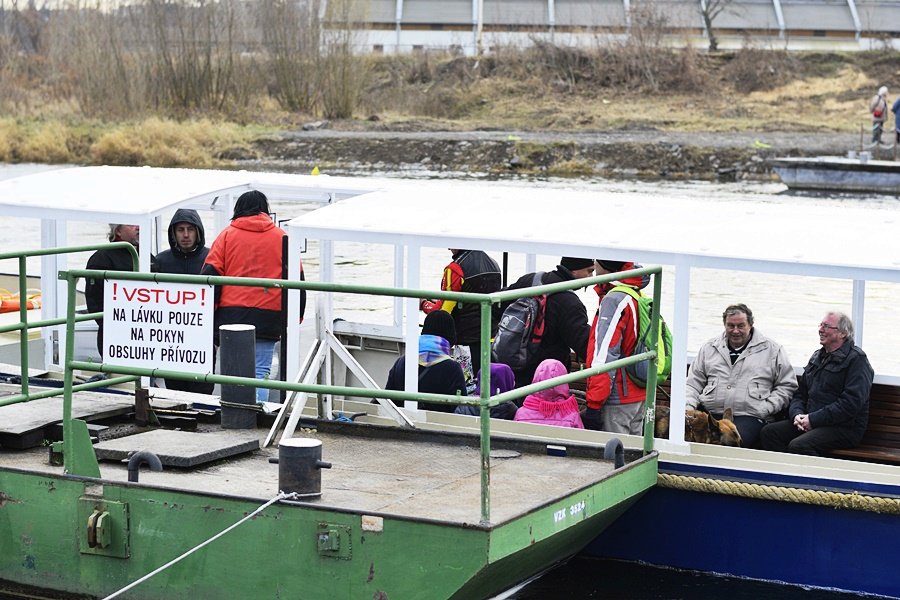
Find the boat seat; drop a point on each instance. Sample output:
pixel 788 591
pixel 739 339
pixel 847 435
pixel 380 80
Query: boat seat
pixel 881 443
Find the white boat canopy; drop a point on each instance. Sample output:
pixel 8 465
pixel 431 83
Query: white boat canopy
pixel 141 196
pixel 857 244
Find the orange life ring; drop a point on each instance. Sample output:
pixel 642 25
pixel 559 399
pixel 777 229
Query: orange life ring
pixel 12 304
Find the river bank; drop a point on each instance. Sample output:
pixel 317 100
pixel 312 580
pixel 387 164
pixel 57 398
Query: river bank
pixel 622 153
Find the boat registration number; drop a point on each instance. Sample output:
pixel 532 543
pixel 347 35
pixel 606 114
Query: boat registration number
pixel 573 510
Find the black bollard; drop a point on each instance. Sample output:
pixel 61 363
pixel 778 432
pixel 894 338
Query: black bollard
pixel 300 467
pixel 237 357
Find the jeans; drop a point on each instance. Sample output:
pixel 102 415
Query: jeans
pixel 264 351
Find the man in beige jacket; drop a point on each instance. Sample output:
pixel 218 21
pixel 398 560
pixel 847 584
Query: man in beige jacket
pixel 742 370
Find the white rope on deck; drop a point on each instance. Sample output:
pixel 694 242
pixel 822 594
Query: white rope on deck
pixel 280 496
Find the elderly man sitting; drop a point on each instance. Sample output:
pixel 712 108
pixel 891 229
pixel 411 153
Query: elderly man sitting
pixel 743 370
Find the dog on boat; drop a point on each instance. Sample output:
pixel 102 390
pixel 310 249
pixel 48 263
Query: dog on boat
pixel 702 427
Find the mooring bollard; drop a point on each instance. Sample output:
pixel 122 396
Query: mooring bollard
pixel 300 467
pixel 237 357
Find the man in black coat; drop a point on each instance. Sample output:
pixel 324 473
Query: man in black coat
pixel 566 327
pixel 830 409
pixel 186 254
pixel 109 259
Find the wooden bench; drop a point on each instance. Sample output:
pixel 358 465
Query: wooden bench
pixel 881 443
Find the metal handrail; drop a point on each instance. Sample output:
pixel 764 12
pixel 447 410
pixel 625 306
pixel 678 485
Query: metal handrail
pixel 23 325
pixel 485 401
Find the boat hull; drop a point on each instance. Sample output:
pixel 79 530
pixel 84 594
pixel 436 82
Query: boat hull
pixel 775 540
pixel 289 550
pixel 839 174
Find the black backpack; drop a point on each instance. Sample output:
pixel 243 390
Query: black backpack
pixel 521 330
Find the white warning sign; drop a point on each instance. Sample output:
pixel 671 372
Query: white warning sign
pixel 158 325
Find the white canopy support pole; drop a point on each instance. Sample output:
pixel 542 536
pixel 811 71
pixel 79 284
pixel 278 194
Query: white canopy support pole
pixel 360 373
pixel 679 352
pixel 299 403
pixel 311 358
pixel 398 283
pixel 858 311
pixel 325 316
pixel 626 6
pixel 530 263
pixel 411 330
pixel 292 356
pixel 53 291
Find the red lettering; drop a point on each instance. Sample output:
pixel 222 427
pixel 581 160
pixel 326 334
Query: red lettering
pixel 157 295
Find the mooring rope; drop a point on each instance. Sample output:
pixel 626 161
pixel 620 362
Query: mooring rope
pixel 851 501
pixel 280 496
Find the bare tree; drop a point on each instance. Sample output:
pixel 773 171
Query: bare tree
pixel 709 10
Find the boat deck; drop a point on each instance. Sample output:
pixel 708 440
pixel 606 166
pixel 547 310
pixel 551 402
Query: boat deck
pixel 420 475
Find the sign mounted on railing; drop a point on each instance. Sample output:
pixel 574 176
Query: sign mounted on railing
pixel 165 326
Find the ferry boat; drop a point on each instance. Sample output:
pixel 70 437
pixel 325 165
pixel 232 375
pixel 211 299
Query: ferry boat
pixel 352 509
pixel 818 522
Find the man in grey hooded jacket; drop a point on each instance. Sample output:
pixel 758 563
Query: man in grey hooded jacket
pixel 187 243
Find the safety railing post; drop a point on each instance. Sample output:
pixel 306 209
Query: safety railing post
pixel 485 411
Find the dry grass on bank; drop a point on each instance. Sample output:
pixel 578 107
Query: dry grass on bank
pixel 153 141
pixel 544 88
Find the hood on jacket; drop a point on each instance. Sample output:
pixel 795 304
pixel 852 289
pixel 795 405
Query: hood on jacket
pixel 548 369
pixel 186 215
pixel 257 222
pixel 502 379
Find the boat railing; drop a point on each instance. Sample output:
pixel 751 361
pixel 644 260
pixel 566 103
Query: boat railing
pixel 79 460
pixel 23 326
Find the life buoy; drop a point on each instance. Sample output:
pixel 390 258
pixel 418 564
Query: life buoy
pixel 10 302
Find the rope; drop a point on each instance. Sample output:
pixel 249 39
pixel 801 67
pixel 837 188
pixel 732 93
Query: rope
pixel 852 501
pixel 280 496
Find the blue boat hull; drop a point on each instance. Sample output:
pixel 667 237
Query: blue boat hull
pixel 802 544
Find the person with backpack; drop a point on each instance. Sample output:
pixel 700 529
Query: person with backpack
pixel 743 370
pixel 614 401
pixel 562 321
pixel 553 406
pixel 878 106
pixel 470 271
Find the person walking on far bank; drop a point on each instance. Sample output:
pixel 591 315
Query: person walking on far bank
pixel 878 106
pixel 896 110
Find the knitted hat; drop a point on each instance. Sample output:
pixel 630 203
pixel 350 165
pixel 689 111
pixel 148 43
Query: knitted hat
pixel 440 323
pixel 613 266
pixel 574 264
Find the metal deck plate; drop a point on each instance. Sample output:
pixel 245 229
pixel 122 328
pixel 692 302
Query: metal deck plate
pixel 22 424
pixel 181 448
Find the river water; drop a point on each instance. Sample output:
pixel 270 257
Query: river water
pixel 785 308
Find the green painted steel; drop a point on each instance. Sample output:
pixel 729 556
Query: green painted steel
pixel 485 301
pixel 23 325
pixel 278 554
pixel 287 550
